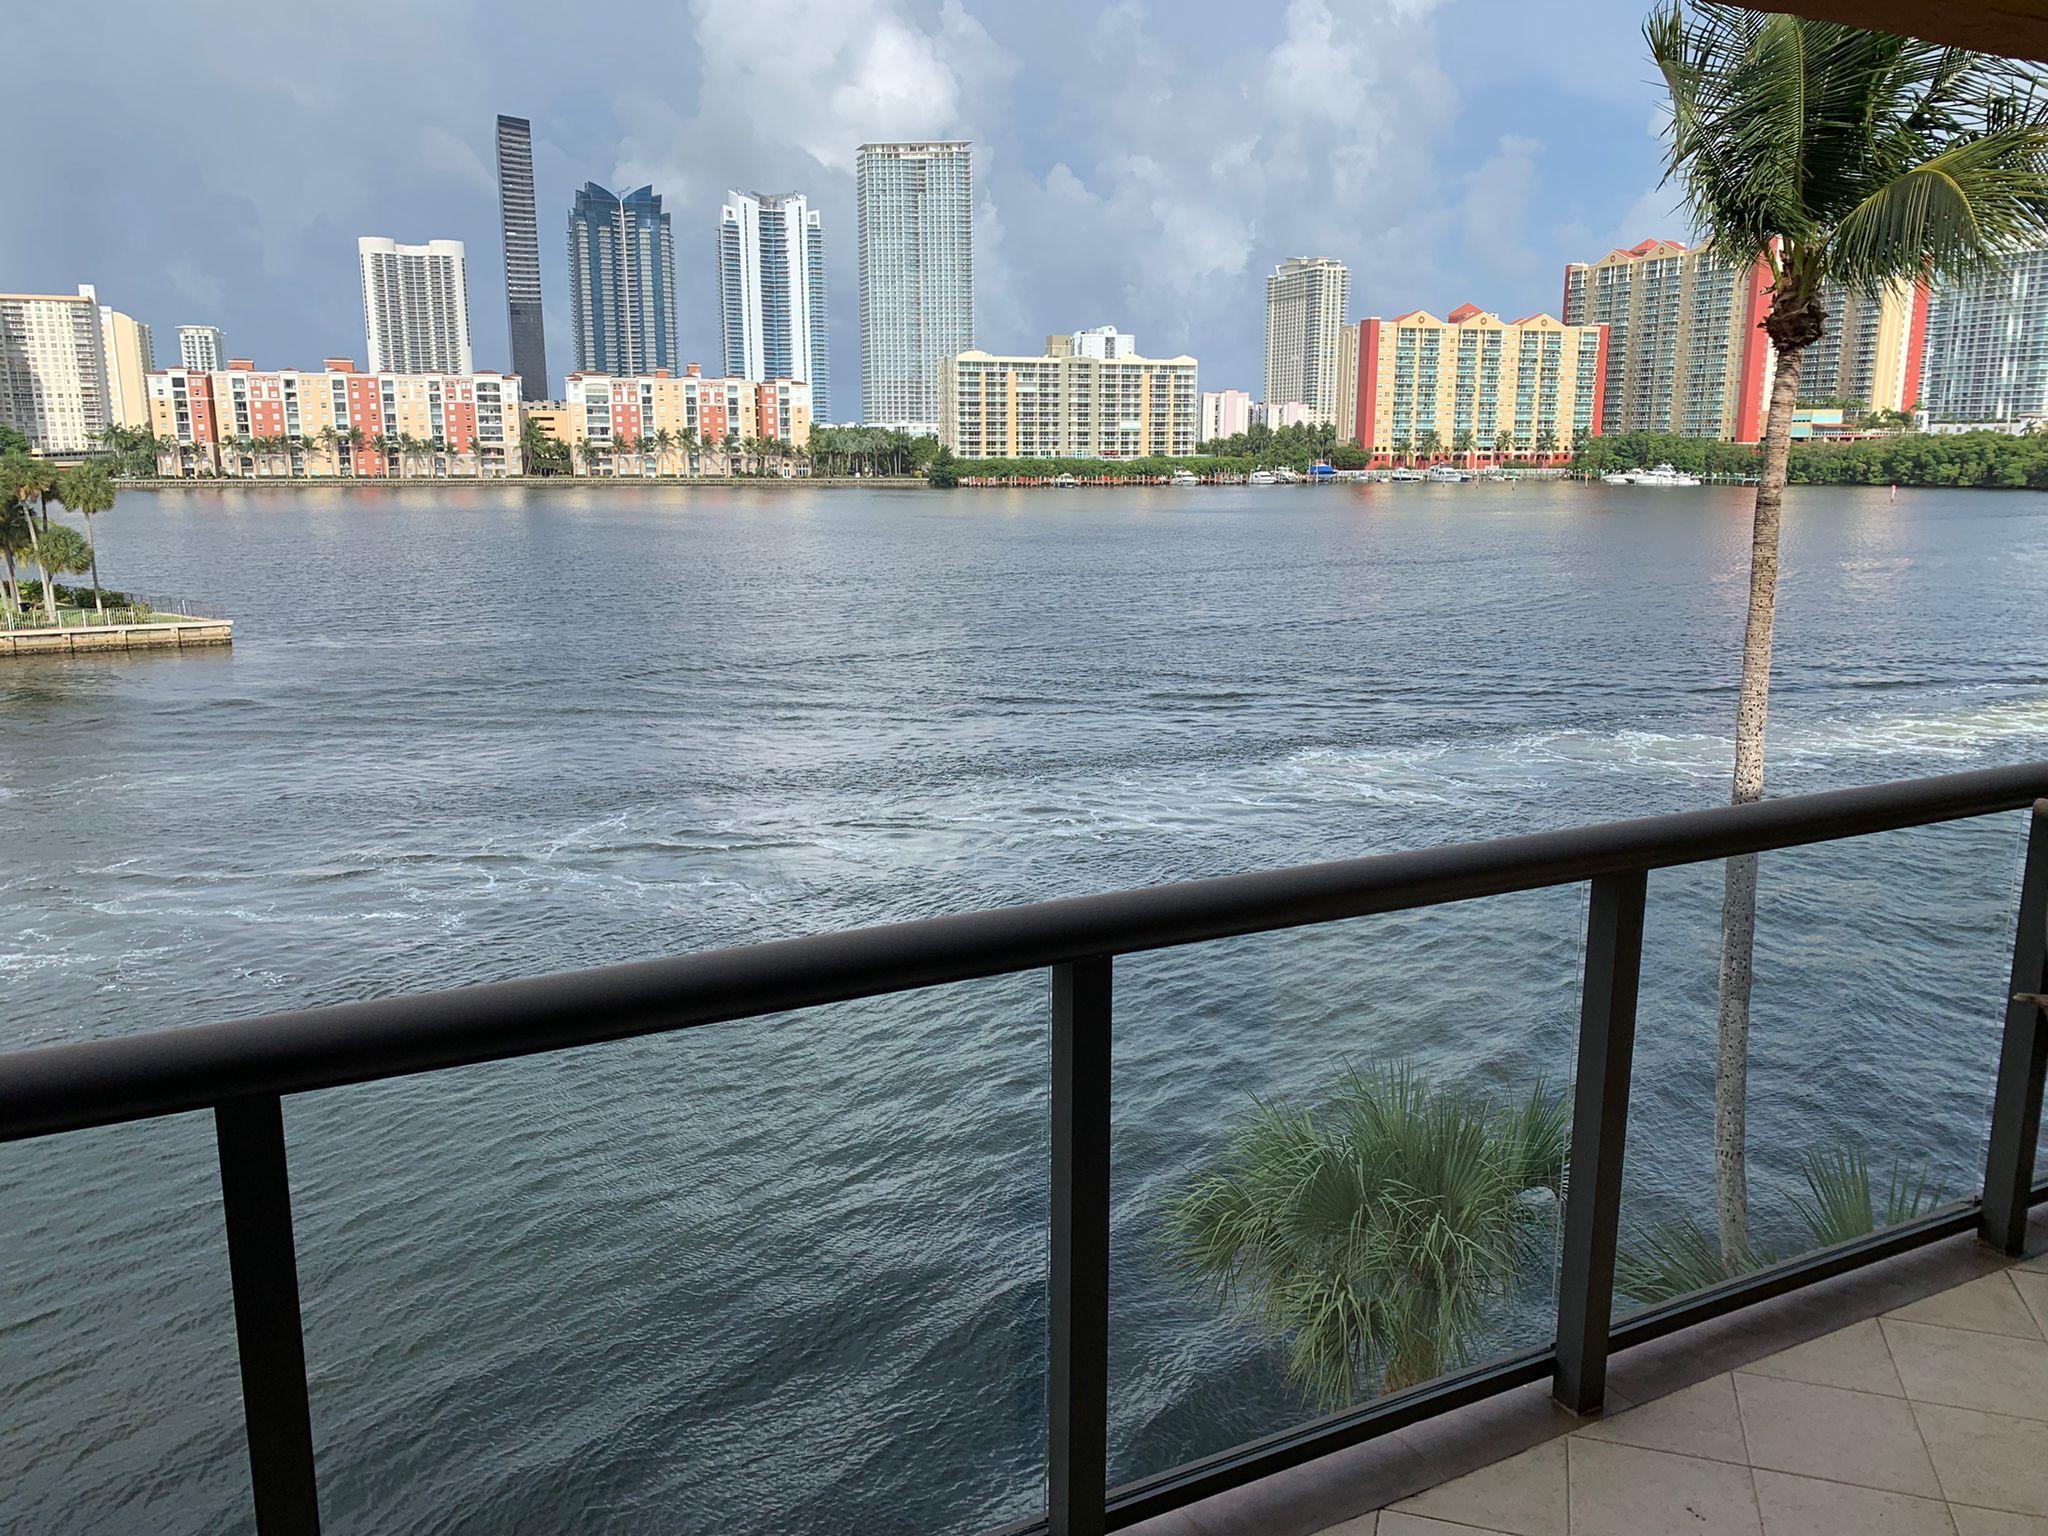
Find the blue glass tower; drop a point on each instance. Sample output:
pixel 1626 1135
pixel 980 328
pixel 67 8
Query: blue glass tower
pixel 622 282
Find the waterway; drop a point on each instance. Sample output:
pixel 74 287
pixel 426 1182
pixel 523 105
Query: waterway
pixel 788 1276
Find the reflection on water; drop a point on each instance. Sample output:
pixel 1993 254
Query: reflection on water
pixel 790 1276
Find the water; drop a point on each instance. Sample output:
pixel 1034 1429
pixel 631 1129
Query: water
pixel 789 1276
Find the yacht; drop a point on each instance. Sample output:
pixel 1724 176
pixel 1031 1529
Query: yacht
pixel 1619 477
pixel 1663 474
pixel 1186 477
pixel 1448 473
pixel 1261 477
pixel 1405 473
pixel 1064 483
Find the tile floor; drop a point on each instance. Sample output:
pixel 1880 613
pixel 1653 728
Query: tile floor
pixel 1931 1420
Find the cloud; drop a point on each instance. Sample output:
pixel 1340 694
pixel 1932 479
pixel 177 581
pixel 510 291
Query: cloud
pixel 1137 163
pixel 1495 210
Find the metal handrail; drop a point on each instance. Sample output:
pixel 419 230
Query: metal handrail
pixel 240 1069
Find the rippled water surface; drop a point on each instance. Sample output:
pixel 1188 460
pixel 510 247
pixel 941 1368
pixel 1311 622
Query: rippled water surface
pixel 789 1276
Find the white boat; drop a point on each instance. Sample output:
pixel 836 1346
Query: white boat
pixel 1261 477
pixel 1619 477
pixel 1448 474
pixel 1663 475
pixel 1405 473
pixel 1185 477
pixel 1064 483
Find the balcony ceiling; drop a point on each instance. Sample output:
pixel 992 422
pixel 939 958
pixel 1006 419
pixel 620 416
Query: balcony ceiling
pixel 2017 28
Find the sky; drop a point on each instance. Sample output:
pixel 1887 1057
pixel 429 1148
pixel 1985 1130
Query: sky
pixel 1142 165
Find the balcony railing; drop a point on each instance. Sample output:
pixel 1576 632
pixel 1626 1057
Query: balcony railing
pixel 240 1070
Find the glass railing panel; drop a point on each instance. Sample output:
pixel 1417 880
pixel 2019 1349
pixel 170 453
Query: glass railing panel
pixel 1327 1113
pixel 1876 1009
pixel 772 1276
pixel 123 1408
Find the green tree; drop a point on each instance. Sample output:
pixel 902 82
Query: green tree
pixel 1371 1232
pixel 88 490
pixel 11 441
pixel 1428 444
pixel 17 533
pixel 1842 157
pixel 542 452
pixel 23 478
pixel 1462 442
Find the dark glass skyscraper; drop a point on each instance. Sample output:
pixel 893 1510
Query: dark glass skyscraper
pixel 622 282
pixel 522 256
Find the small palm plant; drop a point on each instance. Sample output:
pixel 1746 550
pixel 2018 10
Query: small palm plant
pixel 1373 1232
pixel 1840 1204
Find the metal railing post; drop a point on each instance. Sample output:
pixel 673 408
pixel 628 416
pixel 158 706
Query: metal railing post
pixel 256 1193
pixel 1592 1215
pixel 2016 1104
pixel 1077 1376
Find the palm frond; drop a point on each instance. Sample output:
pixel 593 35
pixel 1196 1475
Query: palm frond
pixel 1849 157
pixel 1372 1232
pixel 1675 1258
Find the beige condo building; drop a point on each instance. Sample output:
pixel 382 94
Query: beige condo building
pixel 1069 405
pixel 53 372
pixel 1521 389
pixel 130 357
pixel 1684 353
pixel 702 418
pixel 285 422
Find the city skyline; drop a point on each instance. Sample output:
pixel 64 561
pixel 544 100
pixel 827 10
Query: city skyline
pixel 1365 131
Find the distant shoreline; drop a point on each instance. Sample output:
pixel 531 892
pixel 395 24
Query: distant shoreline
pixel 550 482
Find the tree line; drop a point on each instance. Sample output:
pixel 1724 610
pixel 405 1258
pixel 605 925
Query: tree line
pixel 1981 459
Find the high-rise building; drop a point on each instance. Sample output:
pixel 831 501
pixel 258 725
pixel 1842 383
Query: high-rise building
pixel 771 291
pixel 1306 298
pixel 129 355
pixel 1685 351
pixel 520 233
pixel 1472 383
pixel 1069 404
pixel 1225 413
pixel 622 282
pixel 53 374
pixel 202 348
pixel 915 208
pixel 1987 347
pixel 415 305
pixel 1869 350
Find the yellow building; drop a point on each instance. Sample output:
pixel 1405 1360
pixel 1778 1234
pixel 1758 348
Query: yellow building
pixel 1869 350
pixel 1474 386
pixel 1068 406
pixel 130 356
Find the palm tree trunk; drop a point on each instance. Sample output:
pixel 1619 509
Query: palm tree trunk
pixel 13 582
pixel 35 553
pixel 94 550
pixel 1738 897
